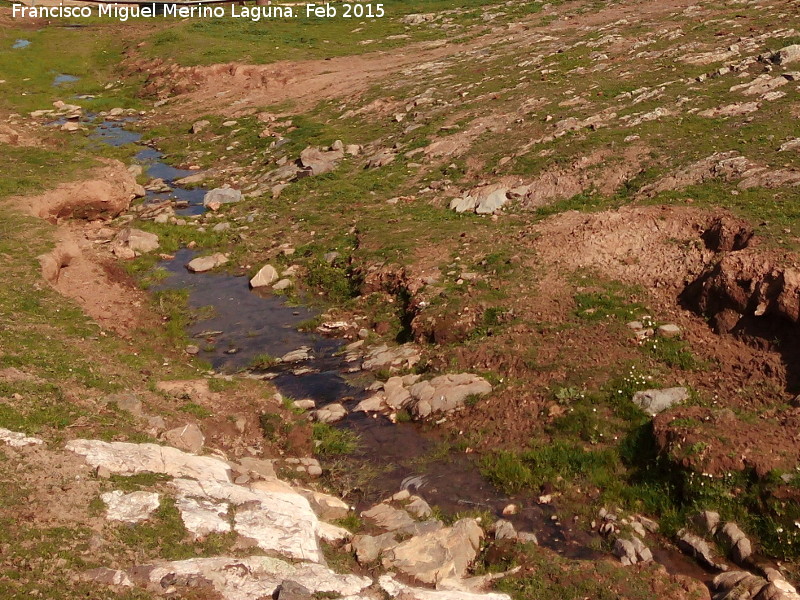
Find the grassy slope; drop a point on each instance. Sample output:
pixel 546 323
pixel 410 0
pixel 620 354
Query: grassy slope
pixel 72 361
pixel 210 41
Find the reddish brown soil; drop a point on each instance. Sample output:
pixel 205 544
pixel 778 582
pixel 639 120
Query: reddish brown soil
pixel 76 267
pixel 661 251
pixel 103 196
pixel 78 270
pixel 305 83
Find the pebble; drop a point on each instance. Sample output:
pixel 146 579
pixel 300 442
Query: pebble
pixel 511 509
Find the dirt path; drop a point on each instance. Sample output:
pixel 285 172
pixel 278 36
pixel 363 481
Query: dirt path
pixel 234 89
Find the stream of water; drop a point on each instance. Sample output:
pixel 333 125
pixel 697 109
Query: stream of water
pixel 243 324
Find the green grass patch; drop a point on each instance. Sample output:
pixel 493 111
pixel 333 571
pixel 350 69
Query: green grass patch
pixel 263 361
pixel 547 575
pixel 610 303
pixel 192 408
pixel 673 353
pixel 329 440
pixel 216 40
pixel 164 535
pixel 173 306
pixel 137 482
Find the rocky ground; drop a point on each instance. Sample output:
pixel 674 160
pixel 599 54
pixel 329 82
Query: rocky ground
pixel 558 238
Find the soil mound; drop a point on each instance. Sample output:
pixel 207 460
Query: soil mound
pixel 104 196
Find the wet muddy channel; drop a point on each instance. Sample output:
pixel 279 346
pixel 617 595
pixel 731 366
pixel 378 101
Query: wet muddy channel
pixel 244 324
pixel 239 324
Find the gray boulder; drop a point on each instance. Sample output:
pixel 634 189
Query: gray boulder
pixel 446 393
pixel 418 18
pixel 388 517
pixel 266 275
pixel 291 590
pixel 206 263
pixel 368 548
pixel 380 159
pixel 463 204
pixel 491 201
pixel 706 521
pixel 198 126
pixel 484 200
pixel 330 413
pixel 318 162
pixel 733 537
pixel 632 551
pixel 223 195
pixel 437 556
pixel 654 402
pixel 134 507
pixel 698 548
pixel 504 530
pixel 383 357
pixel 787 55
pixel 189 438
pixel 140 242
pixel 125 458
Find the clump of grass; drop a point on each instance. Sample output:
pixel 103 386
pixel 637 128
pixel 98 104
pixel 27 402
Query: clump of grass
pixel 472 400
pixel 673 353
pixel 330 440
pixel 218 384
pixel 497 263
pixel 195 409
pixel 139 481
pixel 270 424
pixel 173 306
pixel 336 282
pixel 547 575
pixel 508 471
pixel 166 535
pixel 352 522
pixel 310 324
pixel 263 361
pixel 559 461
pixel 568 394
pixel 602 305
pixel 403 416
pixel 35 413
pixel 686 422
pixel 492 319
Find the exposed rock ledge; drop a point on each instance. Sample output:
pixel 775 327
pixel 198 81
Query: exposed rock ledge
pixel 282 521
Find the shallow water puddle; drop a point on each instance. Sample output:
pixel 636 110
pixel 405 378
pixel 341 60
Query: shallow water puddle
pixel 63 78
